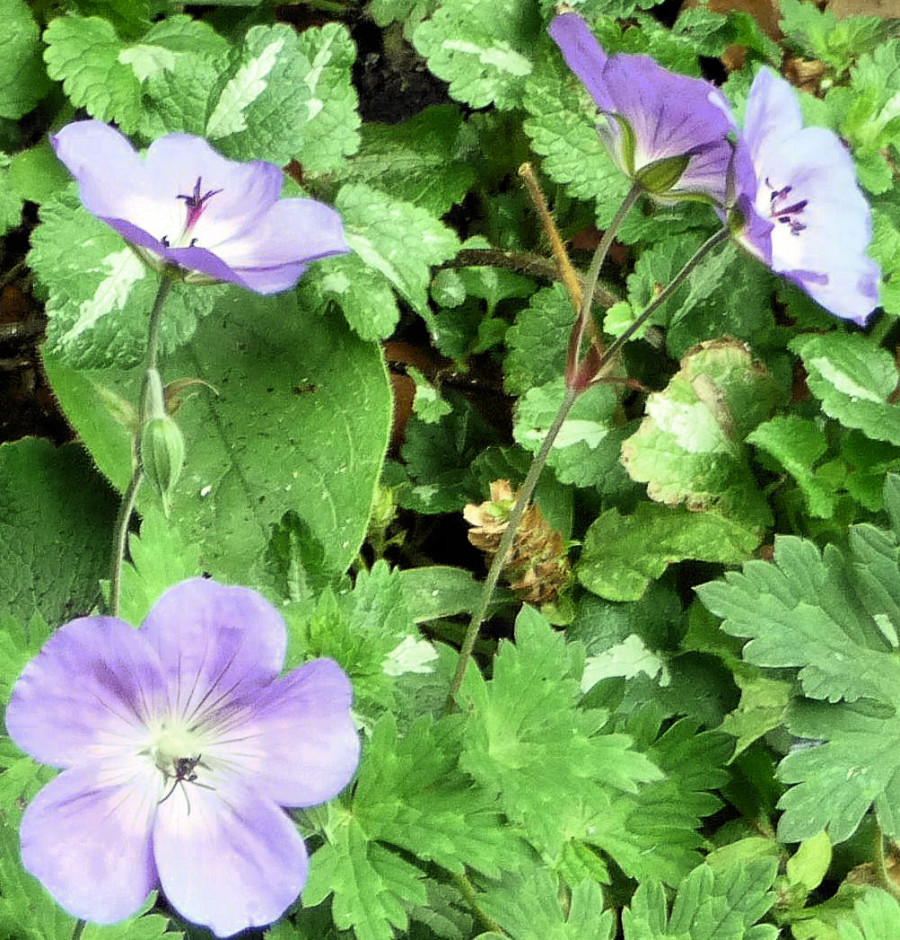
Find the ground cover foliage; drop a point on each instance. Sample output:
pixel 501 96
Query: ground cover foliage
pixel 696 733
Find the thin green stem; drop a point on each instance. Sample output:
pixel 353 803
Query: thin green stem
pixel 591 279
pixel 879 862
pixel 512 525
pixel 155 321
pixel 528 487
pixel 721 235
pixel 470 896
pixel 79 930
pixel 526 491
pixel 120 537
pixel 129 498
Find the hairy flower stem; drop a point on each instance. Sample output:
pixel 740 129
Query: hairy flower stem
pixel 879 863
pixel 567 273
pixel 470 896
pixel 129 497
pixel 590 283
pixel 537 466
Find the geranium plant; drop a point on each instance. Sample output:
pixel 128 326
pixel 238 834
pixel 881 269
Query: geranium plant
pixel 449 471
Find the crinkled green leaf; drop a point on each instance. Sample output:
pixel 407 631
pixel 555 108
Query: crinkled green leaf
pixel 623 554
pixel 83 53
pixel 689 448
pixel 885 249
pixel 563 130
pixel 417 161
pixel 578 455
pixel 289 96
pixel 53 549
pixel 23 81
pixel 101 295
pixel 538 341
pixel 10 200
pixel 36 174
pixel 484 50
pixel 394 246
pixel 798 444
pixel 853 378
pixel 428 405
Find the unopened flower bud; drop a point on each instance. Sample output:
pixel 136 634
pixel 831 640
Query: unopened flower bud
pixel 162 455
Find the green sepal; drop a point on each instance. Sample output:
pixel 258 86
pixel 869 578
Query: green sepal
pixel 658 178
pixel 162 455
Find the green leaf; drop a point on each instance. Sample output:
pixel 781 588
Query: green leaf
pixel 53 548
pixel 394 246
pixel 528 906
pixel 798 444
pixel 100 295
pixel 762 709
pixel 428 405
pixel 372 886
pixel 10 200
pixel 289 96
pixel 434 591
pixel 878 915
pixel 821 35
pixel 711 904
pixel 537 343
pixel 800 611
pixel 653 833
pixel 529 742
pixel 159 559
pixel 853 378
pixel 410 794
pixel 23 81
pixel 579 454
pixel 300 416
pixel 36 174
pixel 689 448
pixel 83 53
pixel 623 554
pixel 563 130
pixel 484 50
pixel 20 641
pixel 418 161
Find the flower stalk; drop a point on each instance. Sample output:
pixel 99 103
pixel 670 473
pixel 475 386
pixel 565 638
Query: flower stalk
pixel 129 497
pixel 579 383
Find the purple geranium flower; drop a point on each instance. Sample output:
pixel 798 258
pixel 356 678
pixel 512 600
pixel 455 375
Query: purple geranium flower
pixel 668 132
pixel 186 205
pixel 179 745
pixel 800 209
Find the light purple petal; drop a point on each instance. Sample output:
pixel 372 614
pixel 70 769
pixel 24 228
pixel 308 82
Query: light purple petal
pixel 86 694
pixel 297 743
pixel 584 56
pixel 850 291
pixel 773 113
pixel 215 643
pixel 272 280
pixel 234 861
pixel 292 230
pixel 247 190
pixel 88 843
pixel 804 184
